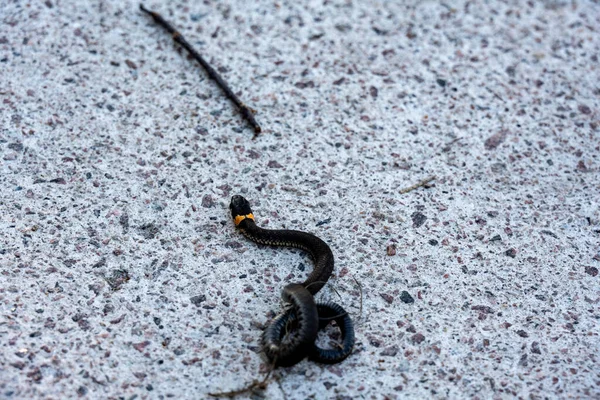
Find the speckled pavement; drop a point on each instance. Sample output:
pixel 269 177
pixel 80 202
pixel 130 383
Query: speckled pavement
pixel 122 276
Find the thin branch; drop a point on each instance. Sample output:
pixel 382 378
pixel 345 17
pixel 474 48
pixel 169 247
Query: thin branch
pixel 361 297
pixel 324 283
pixel 248 388
pixel 417 185
pixel 448 145
pixel 246 111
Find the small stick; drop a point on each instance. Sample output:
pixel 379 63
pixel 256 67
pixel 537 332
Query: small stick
pixel 448 145
pixel 424 182
pixel 248 388
pixel 361 297
pixel 340 296
pixel 214 75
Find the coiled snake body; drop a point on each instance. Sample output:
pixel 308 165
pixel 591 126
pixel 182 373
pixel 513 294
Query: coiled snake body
pixel 291 336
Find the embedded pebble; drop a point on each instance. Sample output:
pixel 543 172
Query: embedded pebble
pixel 391 250
pixel 197 300
pixel 388 298
pixel 417 338
pixel 511 253
pixel 406 297
pixel 418 219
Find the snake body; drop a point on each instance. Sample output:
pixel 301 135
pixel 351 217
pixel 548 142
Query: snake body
pixel 317 248
pixel 291 336
pixel 327 312
pixel 293 350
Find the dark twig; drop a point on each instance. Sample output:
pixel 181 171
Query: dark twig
pixel 361 297
pixel 246 111
pixel 340 296
pixel 448 145
pixel 250 388
pixel 424 183
pixel 261 385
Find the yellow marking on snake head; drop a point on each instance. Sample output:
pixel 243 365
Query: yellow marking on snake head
pixel 240 218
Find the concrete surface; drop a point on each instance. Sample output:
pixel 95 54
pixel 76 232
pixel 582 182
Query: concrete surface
pixel 122 275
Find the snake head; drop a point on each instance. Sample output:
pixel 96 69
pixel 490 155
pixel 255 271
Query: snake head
pixel 240 209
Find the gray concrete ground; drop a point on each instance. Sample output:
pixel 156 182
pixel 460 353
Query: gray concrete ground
pixel 122 275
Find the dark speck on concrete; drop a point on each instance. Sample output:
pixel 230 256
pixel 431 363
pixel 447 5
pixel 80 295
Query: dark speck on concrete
pixel 511 253
pixel 253 154
pixel 69 262
pixel 233 244
pixel 373 91
pixel 375 342
pixel 483 309
pixel 417 338
pixel 391 250
pixel 117 278
pixel 390 351
pixel 124 222
pixel 274 164
pixel 207 201
pixel 304 85
pixel 108 308
pixel 149 231
pixel 388 298
pixel 16 146
pixel 406 297
pixel 418 219
pixel 549 233
pixel 323 222
pixel 179 351
pixel 584 109
pixel 523 360
pixel 197 300
pixel 496 140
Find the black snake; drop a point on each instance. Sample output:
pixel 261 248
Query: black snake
pixel 291 336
